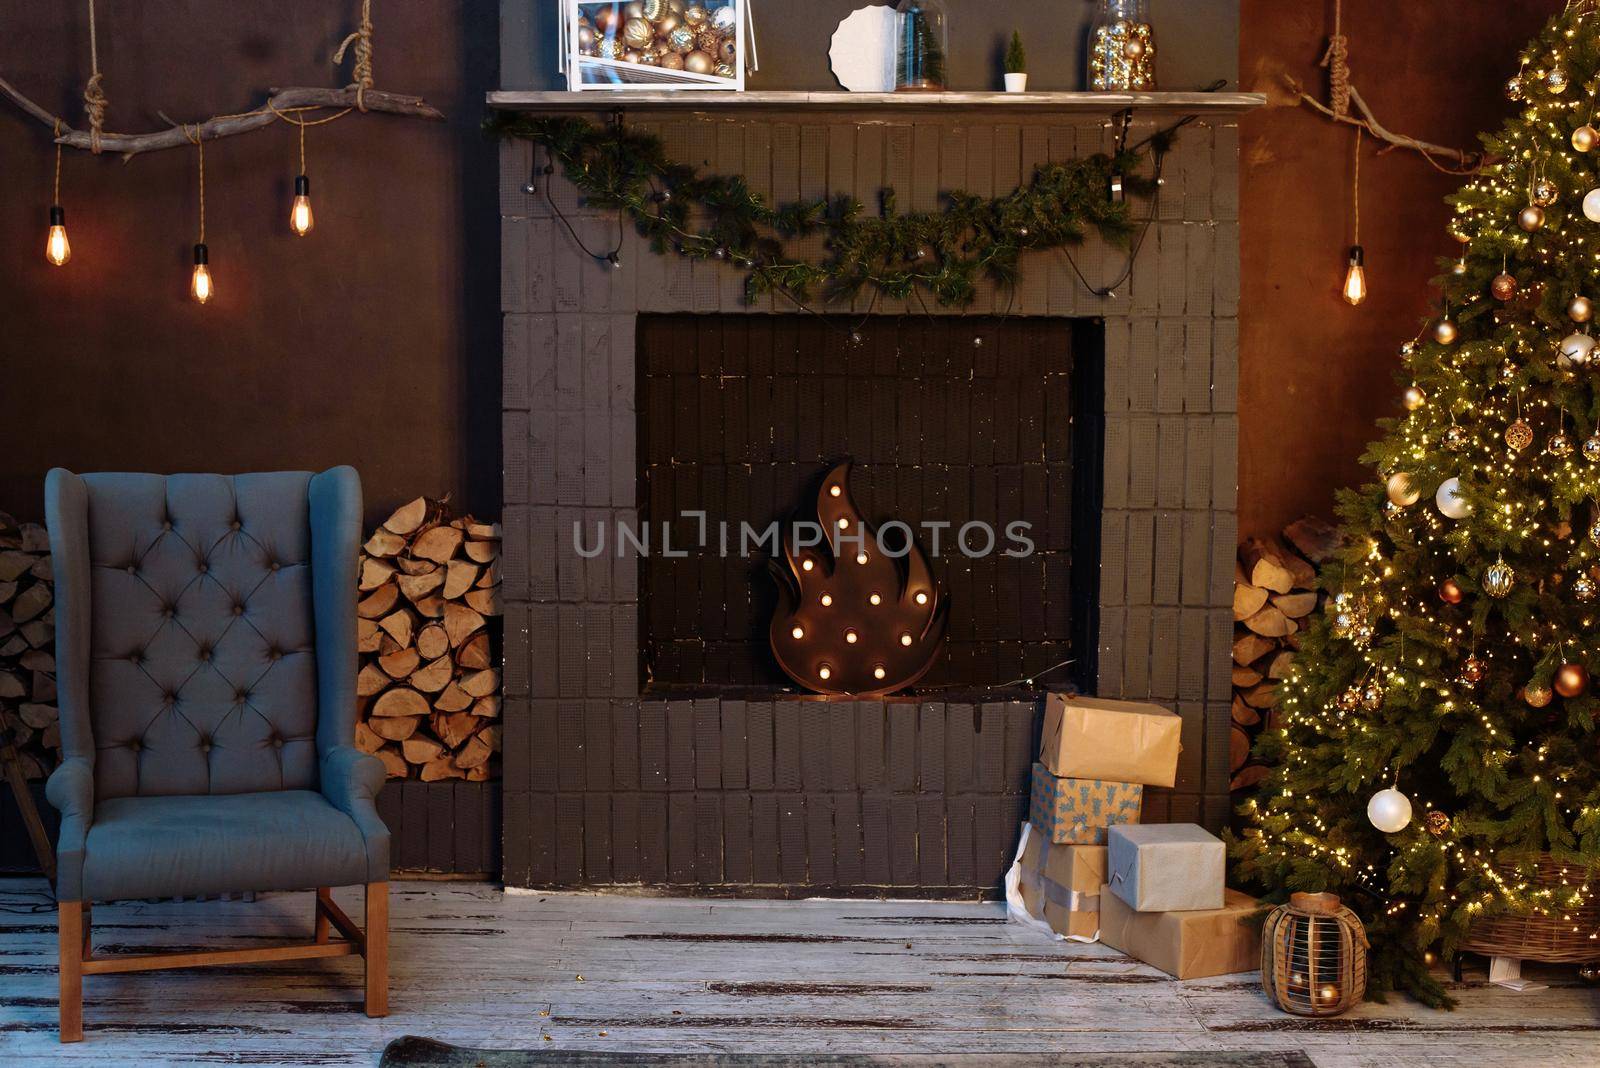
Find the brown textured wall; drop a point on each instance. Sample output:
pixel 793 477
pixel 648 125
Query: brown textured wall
pixel 374 341
pixel 1314 372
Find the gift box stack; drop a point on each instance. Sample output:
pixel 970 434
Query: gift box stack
pixel 1153 891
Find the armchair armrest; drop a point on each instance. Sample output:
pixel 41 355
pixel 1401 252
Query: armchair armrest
pixel 351 780
pixel 71 791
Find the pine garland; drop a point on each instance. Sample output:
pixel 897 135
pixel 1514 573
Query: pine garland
pixel 945 253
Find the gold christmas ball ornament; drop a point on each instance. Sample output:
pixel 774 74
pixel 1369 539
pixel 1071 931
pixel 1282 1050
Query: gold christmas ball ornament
pixel 608 48
pixel 1514 89
pixel 1556 81
pixel 1498 578
pixel 1450 591
pixel 1571 680
pixel 1402 491
pixel 650 57
pixel 671 61
pixel 1545 192
pixel 1349 700
pixel 1536 695
pixel 1519 435
pixel 633 10
pixel 1594 533
pixel 1531 218
pixel 681 40
pixel 1558 445
pixel 1503 286
pixel 1584 137
pixel 1455 438
pixel 1413 398
pixel 1472 670
pixel 1580 309
pixel 1133 49
pixel 728 51
pixel 724 70
pixel 653 9
pixel 638 32
pixel 585 39
pixel 1574 352
pixel 603 19
pixel 665 25
pixel 1445 332
pixel 1407 349
pixel 694 15
pixel 1372 697
pixel 699 63
pixel 1591 448
pixel 1436 822
pixel 1584 588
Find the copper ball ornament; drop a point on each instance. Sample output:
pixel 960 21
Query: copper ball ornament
pixel 1584 588
pixel 1580 309
pixel 633 9
pixel 1445 332
pixel 671 61
pixel 728 50
pixel 1584 137
pixel 1537 696
pixel 1472 670
pixel 1531 218
pixel 1591 448
pixel 638 32
pixel 1558 445
pixel 1408 349
pixel 694 15
pixel 1545 192
pixel 1349 700
pixel 1413 398
pixel 603 19
pixel 1455 438
pixel 1450 591
pixel 1503 286
pixel 1436 822
pixel 1594 533
pixel 1556 81
pixel 1514 89
pixel 1519 435
pixel 1571 680
pixel 665 25
pixel 699 63
pixel 1372 697
pixel 585 38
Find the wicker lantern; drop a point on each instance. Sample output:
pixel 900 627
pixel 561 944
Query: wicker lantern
pixel 1314 956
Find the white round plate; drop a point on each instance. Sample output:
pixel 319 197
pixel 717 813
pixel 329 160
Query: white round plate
pixel 862 53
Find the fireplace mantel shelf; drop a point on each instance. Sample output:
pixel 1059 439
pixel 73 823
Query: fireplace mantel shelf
pixel 721 101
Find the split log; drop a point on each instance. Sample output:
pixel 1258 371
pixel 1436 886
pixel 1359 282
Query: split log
pixel 1264 565
pixel 1296 605
pixel 429 677
pixel 1317 539
pixel 1248 600
pixel 27 644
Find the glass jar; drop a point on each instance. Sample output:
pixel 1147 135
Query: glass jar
pixel 1122 47
pixel 922 36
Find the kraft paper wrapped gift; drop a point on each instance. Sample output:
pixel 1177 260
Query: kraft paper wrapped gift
pixel 1186 945
pixel 1118 741
pixel 1166 867
pixel 1061 885
pixel 1078 811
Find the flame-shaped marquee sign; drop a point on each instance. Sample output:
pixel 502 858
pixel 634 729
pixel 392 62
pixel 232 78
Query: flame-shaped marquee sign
pixel 852 619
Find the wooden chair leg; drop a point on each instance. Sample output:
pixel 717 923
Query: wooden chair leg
pixel 377 949
pixel 324 893
pixel 72 934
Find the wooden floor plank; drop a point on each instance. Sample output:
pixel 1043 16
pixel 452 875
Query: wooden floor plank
pixel 475 966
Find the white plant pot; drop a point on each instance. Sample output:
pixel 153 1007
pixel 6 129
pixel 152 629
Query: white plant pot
pixel 1016 83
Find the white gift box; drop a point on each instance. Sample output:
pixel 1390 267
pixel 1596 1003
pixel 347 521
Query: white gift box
pixel 1166 867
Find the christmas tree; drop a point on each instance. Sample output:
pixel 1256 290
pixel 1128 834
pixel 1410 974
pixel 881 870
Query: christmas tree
pixel 1436 736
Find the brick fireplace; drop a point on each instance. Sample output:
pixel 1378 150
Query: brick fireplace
pixel 722 783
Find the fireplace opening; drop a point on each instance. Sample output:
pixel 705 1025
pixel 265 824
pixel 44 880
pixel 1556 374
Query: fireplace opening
pixel 982 435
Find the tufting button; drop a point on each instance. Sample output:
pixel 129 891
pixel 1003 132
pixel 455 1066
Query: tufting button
pixel 134 657
pixel 133 569
pixel 235 525
pixel 166 524
pixel 238 609
pixel 274 566
pixel 167 612
pixel 203 567
pixel 274 654
pixel 205 654
pixel 277 743
pixel 134 745
pixel 169 697
pixel 205 745
pixel 239 696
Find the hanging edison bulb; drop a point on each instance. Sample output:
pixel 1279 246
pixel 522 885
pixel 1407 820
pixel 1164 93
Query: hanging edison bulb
pixel 300 218
pixel 57 249
pixel 200 283
pixel 1355 278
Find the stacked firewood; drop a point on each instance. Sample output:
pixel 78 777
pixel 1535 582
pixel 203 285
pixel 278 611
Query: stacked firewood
pixel 428 689
pixel 27 641
pixel 1274 597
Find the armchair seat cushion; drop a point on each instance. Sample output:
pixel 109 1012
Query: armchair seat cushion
pixel 140 847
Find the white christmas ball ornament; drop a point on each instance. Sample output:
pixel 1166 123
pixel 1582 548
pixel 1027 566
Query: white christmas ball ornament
pixel 1389 810
pixel 1591 205
pixel 1451 504
pixel 1576 349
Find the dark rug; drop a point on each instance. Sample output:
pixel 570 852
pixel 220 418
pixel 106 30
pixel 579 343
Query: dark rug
pixel 413 1052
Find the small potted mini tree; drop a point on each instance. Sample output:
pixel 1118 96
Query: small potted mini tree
pixel 1016 65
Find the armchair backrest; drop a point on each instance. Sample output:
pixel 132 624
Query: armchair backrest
pixel 205 626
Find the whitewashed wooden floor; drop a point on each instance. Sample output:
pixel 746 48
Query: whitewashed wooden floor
pixel 474 966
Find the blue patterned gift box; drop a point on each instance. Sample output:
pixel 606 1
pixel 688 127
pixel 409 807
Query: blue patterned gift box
pixel 1078 811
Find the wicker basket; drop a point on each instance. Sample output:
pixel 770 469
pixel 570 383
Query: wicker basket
pixel 1567 938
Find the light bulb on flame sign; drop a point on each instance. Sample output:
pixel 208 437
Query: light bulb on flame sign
pixel 885 617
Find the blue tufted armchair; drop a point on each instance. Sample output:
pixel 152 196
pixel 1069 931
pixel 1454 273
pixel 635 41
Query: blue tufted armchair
pixel 206 657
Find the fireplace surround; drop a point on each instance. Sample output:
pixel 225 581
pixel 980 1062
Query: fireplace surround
pixel 608 782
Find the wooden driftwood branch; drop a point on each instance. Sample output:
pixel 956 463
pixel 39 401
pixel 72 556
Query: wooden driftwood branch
pixel 180 135
pixel 1465 162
